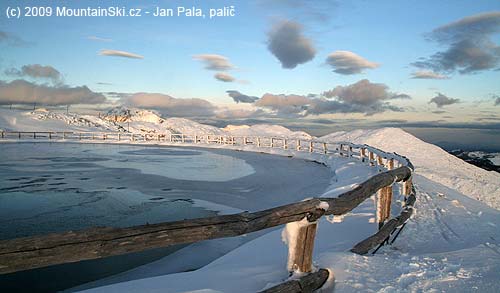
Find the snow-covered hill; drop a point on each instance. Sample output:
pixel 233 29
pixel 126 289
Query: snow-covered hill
pixel 265 130
pixel 430 161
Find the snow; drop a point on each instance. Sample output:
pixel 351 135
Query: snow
pixel 452 243
pixel 265 130
pixel 430 161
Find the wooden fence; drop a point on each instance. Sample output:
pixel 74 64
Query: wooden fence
pixel 72 246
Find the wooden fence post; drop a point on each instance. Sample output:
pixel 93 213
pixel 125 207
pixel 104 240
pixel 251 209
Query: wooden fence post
pixel 311 146
pixel 371 158
pixel 298 145
pixel 407 187
pixel 380 163
pixel 245 140
pixel 272 142
pixel 362 154
pixel 325 148
pixel 300 249
pixel 384 199
pixel 258 141
pixel 285 144
pixel 19 133
pixel 34 135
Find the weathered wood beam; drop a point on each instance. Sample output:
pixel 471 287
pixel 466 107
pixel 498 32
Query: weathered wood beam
pixel 307 283
pixel 371 242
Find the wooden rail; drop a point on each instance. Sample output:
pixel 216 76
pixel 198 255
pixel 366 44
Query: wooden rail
pixel 40 251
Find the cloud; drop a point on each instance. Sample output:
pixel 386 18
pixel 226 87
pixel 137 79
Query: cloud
pixel 363 92
pixel 301 106
pixel 441 100
pixel 287 43
pixel 221 76
pixel 24 92
pixel 12 40
pixel 239 113
pixel 36 71
pixel 241 98
pixel 98 39
pixel 106 52
pixel 361 97
pixel 346 62
pixel 427 74
pixel 214 62
pixel 284 105
pixel 170 106
pixel 470 48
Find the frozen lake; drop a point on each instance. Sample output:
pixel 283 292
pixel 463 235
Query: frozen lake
pixel 54 187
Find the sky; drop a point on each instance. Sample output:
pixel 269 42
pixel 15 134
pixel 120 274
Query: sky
pixel 314 65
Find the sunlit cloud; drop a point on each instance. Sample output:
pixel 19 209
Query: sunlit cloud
pixel 346 62
pixel 214 62
pixel 224 77
pixel 116 53
pixel 427 74
pixel 25 92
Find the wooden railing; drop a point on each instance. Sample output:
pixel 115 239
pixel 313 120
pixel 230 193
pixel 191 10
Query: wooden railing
pixel 40 251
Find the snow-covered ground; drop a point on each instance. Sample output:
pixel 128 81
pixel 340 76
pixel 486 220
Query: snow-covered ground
pixel 451 244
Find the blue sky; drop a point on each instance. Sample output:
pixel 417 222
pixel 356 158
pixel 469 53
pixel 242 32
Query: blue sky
pixel 392 34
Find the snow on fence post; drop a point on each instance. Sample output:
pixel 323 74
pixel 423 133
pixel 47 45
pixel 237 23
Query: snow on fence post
pixel 298 145
pixel 300 239
pixel 311 146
